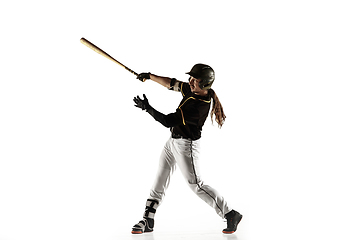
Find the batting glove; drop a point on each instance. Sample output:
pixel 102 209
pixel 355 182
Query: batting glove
pixel 143 104
pixel 143 76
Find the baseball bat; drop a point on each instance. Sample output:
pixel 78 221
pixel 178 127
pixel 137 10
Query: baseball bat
pixel 103 53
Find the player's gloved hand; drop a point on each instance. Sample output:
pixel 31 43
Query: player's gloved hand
pixel 143 76
pixel 143 104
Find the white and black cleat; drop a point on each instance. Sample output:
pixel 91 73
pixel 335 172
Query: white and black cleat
pixel 145 225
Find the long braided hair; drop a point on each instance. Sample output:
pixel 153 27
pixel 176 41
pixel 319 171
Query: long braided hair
pixel 217 109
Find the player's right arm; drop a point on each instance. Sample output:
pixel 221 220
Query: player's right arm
pixel 169 120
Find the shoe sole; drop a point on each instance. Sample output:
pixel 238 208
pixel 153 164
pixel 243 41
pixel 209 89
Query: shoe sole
pixel 139 232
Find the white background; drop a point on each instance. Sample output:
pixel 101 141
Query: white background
pixel 77 159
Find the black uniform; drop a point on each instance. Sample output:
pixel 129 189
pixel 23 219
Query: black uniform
pixel 186 124
pixel 190 116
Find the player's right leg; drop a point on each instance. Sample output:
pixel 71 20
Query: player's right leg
pixel 157 193
pixel 147 223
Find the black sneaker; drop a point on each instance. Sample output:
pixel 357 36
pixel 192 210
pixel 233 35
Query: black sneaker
pixel 145 225
pixel 233 218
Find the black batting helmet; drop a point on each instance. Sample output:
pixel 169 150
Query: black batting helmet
pixel 203 72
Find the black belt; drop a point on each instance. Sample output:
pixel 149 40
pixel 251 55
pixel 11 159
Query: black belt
pixel 178 136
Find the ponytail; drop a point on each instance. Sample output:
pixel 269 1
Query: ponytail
pixel 217 109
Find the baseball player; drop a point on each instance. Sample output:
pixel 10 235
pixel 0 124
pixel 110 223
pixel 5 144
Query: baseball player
pixel 182 148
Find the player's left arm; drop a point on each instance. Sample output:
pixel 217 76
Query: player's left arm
pixel 164 81
pixel 169 83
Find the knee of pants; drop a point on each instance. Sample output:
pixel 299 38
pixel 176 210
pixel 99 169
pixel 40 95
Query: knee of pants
pixel 195 186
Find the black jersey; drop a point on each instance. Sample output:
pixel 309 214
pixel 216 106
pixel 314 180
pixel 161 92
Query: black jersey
pixel 193 110
pixel 188 119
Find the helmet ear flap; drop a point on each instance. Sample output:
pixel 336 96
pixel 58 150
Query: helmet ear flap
pixel 206 86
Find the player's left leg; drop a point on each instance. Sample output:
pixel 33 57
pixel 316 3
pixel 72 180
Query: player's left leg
pixel 187 159
pixel 188 162
pixel 233 218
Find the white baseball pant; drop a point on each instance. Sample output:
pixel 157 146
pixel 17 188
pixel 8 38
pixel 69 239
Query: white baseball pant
pixel 185 153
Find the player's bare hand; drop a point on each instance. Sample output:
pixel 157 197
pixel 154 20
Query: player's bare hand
pixel 143 76
pixel 143 104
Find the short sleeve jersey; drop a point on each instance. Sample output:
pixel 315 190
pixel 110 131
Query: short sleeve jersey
pixel 193 110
